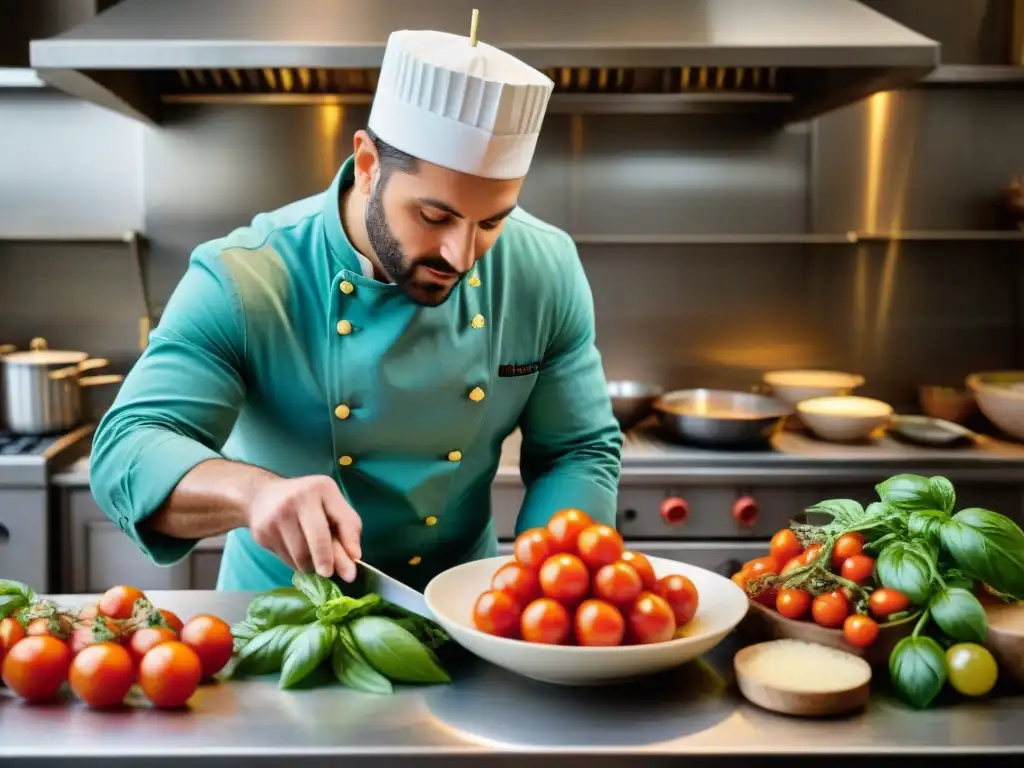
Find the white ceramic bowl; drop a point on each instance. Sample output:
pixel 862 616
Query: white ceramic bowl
pixel 1000 396
pixel 451 595
pixel 796 386
pixel 844 419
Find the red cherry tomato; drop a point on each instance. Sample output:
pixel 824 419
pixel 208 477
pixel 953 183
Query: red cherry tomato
pixel 102 674
pixel 617 583
pixel 545 621
pixel 762 566
pixel 642 566
pixel 792 565
pixel 564 577
pixel 599 545
pixel 784 546
pixel 533 547
pixel 830 610
pixel 518 581
pixel 36 667
pixel 146 639
pixel 210 637
pixel 496 613
pixel 857 568
pixel 860 631
pixel 847 545
pixel 565 528
pixel 650 620
pixel 884 602
pixel 169 674
pixel 793 603
pixel 681 595
pixel 599 624
pixel 810 554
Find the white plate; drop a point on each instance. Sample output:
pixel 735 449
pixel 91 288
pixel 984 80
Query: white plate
pixel 451 595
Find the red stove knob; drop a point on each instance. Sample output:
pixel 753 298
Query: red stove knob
pixel 745 511
pixel 674 510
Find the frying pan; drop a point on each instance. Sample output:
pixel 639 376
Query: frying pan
pixel 720 418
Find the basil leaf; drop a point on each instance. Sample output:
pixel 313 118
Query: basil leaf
pixel 11 587
pixel 352 669
pixel 305 653
pixel 264 653
pixel 987 546
pixel 395 652
pixel 427 632
pixel 315 587
pixel 917 667
pixel 285 605
pixel 904 567
pixel 959 614
pixel 943 493
pixel 846 513
pixel 926 522
pixel 10 603
pixel 347 608
pixel 906 493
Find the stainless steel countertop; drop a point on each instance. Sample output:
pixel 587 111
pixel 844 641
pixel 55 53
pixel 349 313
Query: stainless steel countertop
pixel 792 457
pixel 488 716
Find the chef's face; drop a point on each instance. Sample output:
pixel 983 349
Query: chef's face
pixel 428 226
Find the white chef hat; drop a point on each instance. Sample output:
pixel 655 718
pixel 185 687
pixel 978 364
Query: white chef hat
pixel 470 108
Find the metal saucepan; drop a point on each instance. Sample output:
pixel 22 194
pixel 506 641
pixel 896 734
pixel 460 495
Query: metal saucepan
pixel 631 401
pixel 720 418
pixel 42 391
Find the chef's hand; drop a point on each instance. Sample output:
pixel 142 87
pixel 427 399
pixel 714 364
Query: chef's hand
pixel 308 524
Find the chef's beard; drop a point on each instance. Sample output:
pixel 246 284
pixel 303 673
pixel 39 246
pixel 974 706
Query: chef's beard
pixel 398 268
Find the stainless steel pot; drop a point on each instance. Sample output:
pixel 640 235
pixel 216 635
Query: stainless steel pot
pixel 42 392
pixel 720 418
pixel 631 401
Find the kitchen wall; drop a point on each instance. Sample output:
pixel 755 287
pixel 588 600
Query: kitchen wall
pixel 697 313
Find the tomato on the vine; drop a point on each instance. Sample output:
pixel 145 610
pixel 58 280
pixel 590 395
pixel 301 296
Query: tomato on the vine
pixel 793 603
pixel 784 546
pixel 642 566
pixel 599 624
pixel 859 630
pixel 617 583
pixel 102 674
pixel 681 595
pixel 99 629
pixel 650 619
pixel 119 602
pixel 564 577
pixel 791 565
pixel 565 527
pixel 857 568
pixel 742 580
pixel 599 545
pixel 810 554
pixel 11 632
pixel 830 610
pixel 519 582
pixel 847 545
pixel 172 620
pixel 210 637
pixel 36 667
pixel 147 638
pixel 762 566
pixel 884 602
pixel 545 621
pixel 532 547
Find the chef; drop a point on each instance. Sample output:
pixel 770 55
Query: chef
pixel 333 382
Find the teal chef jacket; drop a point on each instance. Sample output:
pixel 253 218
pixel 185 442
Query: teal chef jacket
pixel 275 350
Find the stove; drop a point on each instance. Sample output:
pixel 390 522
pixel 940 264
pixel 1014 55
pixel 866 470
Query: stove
pixel 29 534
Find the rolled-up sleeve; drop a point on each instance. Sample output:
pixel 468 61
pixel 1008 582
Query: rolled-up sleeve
pixel 177 405
pixel 572 445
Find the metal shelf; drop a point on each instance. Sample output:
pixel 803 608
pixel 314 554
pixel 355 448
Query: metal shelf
pixel 36 237
pixel 1009 75
pixel 20 77
pixel 839 238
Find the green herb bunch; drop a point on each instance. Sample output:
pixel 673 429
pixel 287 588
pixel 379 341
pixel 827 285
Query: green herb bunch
pixel 931 553
pixel 367 643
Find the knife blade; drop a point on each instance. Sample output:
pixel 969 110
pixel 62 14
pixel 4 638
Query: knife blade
pixel 392 590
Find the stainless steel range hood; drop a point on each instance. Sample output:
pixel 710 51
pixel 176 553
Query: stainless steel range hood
pixel 796 58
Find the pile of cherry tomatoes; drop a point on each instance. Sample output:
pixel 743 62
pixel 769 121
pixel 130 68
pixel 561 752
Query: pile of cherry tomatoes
pixel 573 582
pixel 835 609
pixel 104 649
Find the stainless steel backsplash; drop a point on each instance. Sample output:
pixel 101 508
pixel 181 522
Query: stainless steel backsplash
pixel 902 313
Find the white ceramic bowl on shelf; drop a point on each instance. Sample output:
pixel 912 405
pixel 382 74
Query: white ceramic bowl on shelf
pixel 1000 396
pixel 450 596
pixel 844 419
pixel 796 386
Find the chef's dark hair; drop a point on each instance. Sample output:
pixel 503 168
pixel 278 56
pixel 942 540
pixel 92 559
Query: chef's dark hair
pixel 391 159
